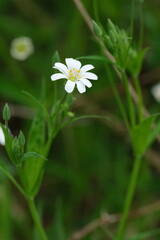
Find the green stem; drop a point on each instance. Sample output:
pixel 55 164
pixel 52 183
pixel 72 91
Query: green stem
pixel 129 99
pixel 55 128
pixel 36 219
pixel 141 25
pixel 32 207
pixel 116 94
pixel 13 181
pixel 132 18
pixel 129 198
pixel 140 98
pixel 95 9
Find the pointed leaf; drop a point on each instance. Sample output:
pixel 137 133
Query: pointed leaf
pixel 140 135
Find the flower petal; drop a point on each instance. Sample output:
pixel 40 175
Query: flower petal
pixel 89 75
pixel 81 87
pixel 69 87
pixel 72 63
pixel 86 68
pixel 2 137
pixel 86 82
pixel 61 67
pixel 57 76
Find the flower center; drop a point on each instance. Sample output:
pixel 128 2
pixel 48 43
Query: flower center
pixel 21 47
pixel 74 75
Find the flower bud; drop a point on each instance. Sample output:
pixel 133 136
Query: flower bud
pixel 97 30
pixel 21 138
pixel 6 113
pixel 70 114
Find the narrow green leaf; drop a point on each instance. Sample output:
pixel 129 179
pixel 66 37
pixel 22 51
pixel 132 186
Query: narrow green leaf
pixel 96 57
pixel 89 116
pixel 55 57
pixel 36 140
pixel 141 133
pixel 31 155
pixel 154 133
pixel 8 174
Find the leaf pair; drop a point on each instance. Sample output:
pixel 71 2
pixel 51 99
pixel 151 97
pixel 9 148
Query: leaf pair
pixel 144 134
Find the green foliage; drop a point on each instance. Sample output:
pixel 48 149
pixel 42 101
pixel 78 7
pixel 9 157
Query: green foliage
pixel 135 60
pixel 90 161
pixel 142 134
pixel 34 165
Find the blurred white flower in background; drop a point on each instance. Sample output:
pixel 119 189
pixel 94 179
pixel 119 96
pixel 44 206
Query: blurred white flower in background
pixel 21 48
pixel 75 74
pixel 155 90
pixel 2 137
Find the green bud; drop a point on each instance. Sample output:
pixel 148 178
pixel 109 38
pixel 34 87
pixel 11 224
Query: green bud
pixel 6 113
pixel 97 29
pixel 16 150
pixel 70 114
pixel 21 139
pixel 113 36
pixel 111 25
pixel 109 43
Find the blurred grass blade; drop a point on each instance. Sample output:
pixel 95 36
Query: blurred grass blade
pixel 89 116
pixel 8 174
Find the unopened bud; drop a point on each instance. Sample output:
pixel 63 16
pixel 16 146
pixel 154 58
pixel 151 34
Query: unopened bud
pixel 6 113
pixel 70 114
pixel 97 29
pixel 21 138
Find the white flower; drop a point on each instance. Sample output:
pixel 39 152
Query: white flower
pixel 155 90
pixel 2 137
pixel 21 48
pixel 75 75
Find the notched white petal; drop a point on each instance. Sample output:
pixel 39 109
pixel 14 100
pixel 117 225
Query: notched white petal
pixel 155 90
pixel 86 82
pixel 86 68
pixel 57 76
pixel 61 67
pixel 2 137
pixel 69 62
pixel 77 64
pixel 73 63
pixel 91 76
pixel 69 86
pixel 81 87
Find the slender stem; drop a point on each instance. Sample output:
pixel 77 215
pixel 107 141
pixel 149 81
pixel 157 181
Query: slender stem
pixel 118 99
pixel 95 8
pixel 141 25
pixel 129 99
pixel 36 219
pixel 129 197
pixel 54 129
pixel 13 181
pixel 140 98
pixel 132 18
